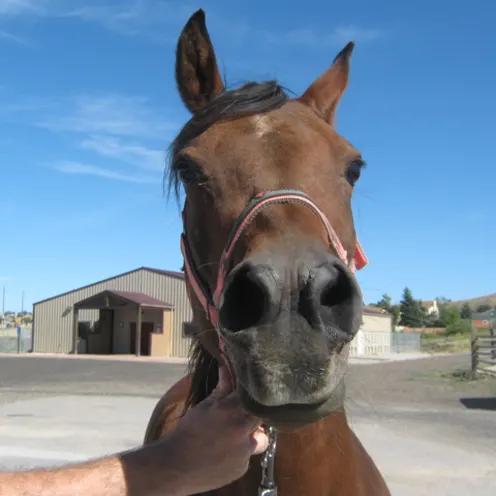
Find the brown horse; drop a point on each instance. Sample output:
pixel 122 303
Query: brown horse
pixel 270 251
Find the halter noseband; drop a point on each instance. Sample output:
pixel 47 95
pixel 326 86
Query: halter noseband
pixel 259 202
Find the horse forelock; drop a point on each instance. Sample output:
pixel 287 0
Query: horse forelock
pixel 250 99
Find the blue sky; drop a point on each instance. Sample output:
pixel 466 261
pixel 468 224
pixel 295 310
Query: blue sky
pixel 88 106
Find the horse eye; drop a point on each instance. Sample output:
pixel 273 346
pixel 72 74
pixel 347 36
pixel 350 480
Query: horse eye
pixel 354 170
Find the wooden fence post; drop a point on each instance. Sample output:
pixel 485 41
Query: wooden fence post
pixel 473 349
pixel 493 343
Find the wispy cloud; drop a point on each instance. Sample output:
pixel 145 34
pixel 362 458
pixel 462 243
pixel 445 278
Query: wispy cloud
pixel 148 18
pixel 132 153
pixel 153 19
pixel 337 36
pixel 14 8
pixel 306 37
pixel 5 35
pixel 110 114
pixel 5 278
pixel 121 130
pixel 117 115
pixel 68 167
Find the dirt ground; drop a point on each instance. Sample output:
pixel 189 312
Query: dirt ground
pixel 433 381
pixel 429 429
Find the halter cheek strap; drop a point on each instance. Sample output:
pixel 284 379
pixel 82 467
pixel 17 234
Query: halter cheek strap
pixel 209 301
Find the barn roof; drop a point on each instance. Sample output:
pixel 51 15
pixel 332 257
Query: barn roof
pixel 111 297
pixel 169 273
pixel 368 310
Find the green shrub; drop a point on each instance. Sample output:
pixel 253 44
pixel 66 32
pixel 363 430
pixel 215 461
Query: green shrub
pixel 459 326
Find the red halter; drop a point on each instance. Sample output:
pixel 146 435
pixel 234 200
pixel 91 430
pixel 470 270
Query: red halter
pixel 262 200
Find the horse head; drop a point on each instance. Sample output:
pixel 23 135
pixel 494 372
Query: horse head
pixel 269 239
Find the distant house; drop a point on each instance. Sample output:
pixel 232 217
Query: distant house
pixel 431 307
pixel 484 320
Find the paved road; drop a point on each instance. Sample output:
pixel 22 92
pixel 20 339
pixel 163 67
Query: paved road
pixel 408 414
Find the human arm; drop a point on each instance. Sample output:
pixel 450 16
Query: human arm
pixel 210 447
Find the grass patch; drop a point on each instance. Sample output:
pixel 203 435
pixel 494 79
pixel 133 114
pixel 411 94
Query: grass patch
pixel 460 375
pixel 452 344
pixel 428 338
pixel 457 380
pixel 460 379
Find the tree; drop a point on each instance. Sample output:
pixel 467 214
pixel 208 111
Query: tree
pixel 484 308
pixel 450 316
pixel 443 304
pixel 396 313
pixel 466 311
pixel 441 300
pixel 411 311
pixel 386 302
pixel 427 319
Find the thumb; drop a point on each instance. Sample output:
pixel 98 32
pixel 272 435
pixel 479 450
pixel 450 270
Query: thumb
pixel 224 386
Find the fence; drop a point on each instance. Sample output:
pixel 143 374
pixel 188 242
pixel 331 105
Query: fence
pixel 365 343
pixel 483 347
pixel 9 341
pixel 406 342
pixel 380 343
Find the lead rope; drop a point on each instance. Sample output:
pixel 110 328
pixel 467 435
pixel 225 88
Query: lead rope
pixel 268 485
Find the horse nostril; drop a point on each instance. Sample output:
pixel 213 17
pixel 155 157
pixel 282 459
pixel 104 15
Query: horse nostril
pixel 331 298
pixel 333 286
pixel 249 298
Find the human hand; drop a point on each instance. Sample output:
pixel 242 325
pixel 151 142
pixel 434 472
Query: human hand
pixel 212 444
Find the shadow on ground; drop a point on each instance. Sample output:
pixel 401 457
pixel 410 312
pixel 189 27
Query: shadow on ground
pixel 479 403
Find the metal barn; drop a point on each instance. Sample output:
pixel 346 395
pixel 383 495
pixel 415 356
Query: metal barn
pixel 143 312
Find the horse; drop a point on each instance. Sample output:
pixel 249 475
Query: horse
pixel 270 253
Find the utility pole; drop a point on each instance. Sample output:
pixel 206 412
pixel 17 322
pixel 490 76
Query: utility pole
pixel 3 302
pixel 22 302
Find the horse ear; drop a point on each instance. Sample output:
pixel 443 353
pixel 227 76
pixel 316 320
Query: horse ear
pixel 197 75
pixel 324 94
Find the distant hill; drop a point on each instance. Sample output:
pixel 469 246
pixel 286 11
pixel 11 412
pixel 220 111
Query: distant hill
pixel 475 302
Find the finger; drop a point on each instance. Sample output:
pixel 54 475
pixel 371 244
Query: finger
pixel 224 386
pixel 259 441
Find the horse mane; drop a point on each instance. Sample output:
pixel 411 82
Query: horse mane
pixel 249 99
pixel 204 370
